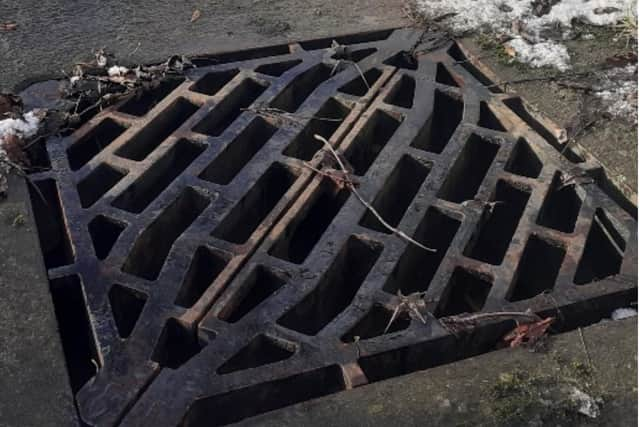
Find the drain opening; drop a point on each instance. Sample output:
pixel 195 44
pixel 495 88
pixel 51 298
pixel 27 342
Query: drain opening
pixel 403 60
pixel 537 270
pixel 443 75
pixel 397 194
pixel 239 152
pixel 52 232
pixel 603 251
pixel 336 289
pixel 357 87
pixel 176 345
pixel 523 160
pixel 402 93
pixel 104 234
pixel 75 330
pixel 159 129
pixel 241 55
pixel 425 355
pixel 370 141
pixel 126 306
pixel 212 82
pixel 206 265
pixel 356 55
pixel 96 140
pixel 561 206
pixel 440 126
pixel 488 119
pixel 230 108
pixel 500 220
pixel 416 267
pixel 142 102
pixel 456 53
pixel 158 176
pixel 304 145
pixel 465 293
pixel 302 234
pixel 248 213
pixel 366 37
pixel 97 183
pixel 374 323
pixel 254 400
pixel 262 350
pixel 277 69
pixel 153 245
pixel 292 97
pixel 468 171
pixel 517 106
pixel 260 285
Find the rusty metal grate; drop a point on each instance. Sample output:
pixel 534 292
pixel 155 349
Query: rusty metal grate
pixel 203 273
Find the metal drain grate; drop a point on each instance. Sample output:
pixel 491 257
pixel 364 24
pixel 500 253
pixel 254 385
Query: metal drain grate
pixel 203 273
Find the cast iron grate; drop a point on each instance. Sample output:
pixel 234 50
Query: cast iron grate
pixel 204 272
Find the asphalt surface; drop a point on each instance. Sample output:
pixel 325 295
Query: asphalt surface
pixel 52 35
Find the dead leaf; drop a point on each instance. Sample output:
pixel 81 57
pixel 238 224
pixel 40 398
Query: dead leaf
pixel 14 147
pixel 528 333
pixel 10 104
pixel 8 26
pixel 196 15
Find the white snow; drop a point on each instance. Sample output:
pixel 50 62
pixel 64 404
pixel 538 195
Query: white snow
pixel 623 313
pixel 618 92
pixel 117 71
pixel 515 18
pixel 541 54
pixel 25 127
pixel 586 405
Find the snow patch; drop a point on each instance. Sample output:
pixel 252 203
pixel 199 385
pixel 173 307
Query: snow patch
pixel 516 18
pixel 117 71
pixel 623 313
pixel 543 54
pixel 25 127
pixel 618 92
pixel 586 405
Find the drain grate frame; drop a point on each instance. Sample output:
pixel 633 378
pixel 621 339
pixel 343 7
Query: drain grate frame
pixel 276 286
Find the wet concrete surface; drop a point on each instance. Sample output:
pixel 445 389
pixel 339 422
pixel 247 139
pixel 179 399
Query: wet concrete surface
pixel 52 35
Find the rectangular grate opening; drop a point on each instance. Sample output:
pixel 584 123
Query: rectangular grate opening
pixel 262 350
pixel 440 126
pixel 230 108
pixel 276 69
pixel 239 152
pixel 402 92
pixel 104 233
pixel 241 55
pixel 126 306
pixel 537 270
pixel 336 289
pixel 456 53
pixel 212 82
pixel 416 267
pixel 603 251
pixel 376 323
pixel 370 141
pixel 500 220
pixel 158 176
pixel 52 230
pixel 246 216
pixel 397 194
pixel 96 140
pixel 323 43
pixel 76 334
pixel 260 285
pixel 254 400
pixel 152 246
pixel 443 75
pixel 205 267
pixel 292 97
pixel 156 131
pixel 97 183
pixel 561 206
pixel 489 120
pixel 328 119
pixel 143 101
pixel 523 160
pixel 468 171
pixel 302 234
pixel 177 344
pixel 357 86
pixel 466 293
